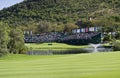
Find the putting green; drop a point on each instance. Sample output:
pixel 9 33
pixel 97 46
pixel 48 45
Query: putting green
pixel 91 65
pixel 53 46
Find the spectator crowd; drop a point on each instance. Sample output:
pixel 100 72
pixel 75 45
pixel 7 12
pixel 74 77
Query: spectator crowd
pixel 55 37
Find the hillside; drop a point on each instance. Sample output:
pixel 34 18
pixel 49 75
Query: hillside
pixel 30 12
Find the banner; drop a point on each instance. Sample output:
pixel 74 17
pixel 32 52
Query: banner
pixel 83 29
pixel 86 29
pixel 74 31
pixel 30 32
pixel 78 30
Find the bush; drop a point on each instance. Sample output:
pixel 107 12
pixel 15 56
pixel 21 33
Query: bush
pixel 3 52
pixel 117 36
pixel 116 46
pixel 23 50
pixel 107 37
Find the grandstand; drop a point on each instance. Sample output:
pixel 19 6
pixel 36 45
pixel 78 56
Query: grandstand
pixel 82 39
pixel 81 36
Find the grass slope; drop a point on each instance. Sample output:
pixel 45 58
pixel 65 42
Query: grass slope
pixel 96 65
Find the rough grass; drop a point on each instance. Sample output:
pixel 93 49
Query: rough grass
pixel 53 46
pixel 92 65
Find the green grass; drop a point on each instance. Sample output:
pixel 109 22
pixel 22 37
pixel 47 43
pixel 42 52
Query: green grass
pixel 53 46
pixel 91 65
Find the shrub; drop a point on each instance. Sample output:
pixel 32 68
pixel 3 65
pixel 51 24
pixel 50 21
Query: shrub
pixel 3 52
pixel 117 36
pixel 116 46
pixel 23 50
pixel 107 37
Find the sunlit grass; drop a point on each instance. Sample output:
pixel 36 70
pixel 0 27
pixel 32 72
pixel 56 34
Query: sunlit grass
pixel 91 65
pixel 53 46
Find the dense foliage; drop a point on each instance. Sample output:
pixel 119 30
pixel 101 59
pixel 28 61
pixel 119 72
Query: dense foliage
pixel 4 39
pixel 11 40
pixel 16 43
pixel 116 46
pixel 29 13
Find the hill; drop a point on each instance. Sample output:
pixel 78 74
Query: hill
pixel 58 11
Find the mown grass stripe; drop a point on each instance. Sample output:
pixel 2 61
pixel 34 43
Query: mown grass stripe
pixel 97 65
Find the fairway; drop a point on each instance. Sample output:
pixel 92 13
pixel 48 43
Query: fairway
pixel 91 65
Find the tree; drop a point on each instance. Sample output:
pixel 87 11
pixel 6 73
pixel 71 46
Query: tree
pixel 16 44
pixel 44 26
pixel 107 38
pixel 69 27
pixel 116 45
pixel 4 38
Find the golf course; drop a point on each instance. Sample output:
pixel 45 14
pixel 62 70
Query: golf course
pixel 60 39
pixel 89 65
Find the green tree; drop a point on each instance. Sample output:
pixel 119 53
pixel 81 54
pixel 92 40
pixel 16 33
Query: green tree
pixel 44 27
pixel 116 45
pixel 4 38
pixel 69 27
pixel 107 38
pixel 16 44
